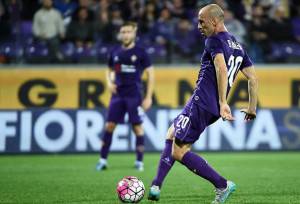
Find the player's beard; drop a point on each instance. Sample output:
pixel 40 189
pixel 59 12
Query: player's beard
pixel 128 43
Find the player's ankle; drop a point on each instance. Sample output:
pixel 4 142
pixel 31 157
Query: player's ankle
pixel 103 161
pixel 137 162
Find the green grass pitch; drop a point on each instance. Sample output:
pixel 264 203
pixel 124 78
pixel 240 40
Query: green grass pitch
pixel 260 177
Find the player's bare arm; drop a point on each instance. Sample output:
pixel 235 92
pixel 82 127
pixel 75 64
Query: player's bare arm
pixel 222 80
pixel 147 102
pixel 110 75
pixel 250 112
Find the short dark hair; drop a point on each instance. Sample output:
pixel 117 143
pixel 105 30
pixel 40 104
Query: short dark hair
pixel 130 23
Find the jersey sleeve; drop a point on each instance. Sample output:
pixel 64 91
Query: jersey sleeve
pixel 146 62
pixel 214 46
pixel 246 62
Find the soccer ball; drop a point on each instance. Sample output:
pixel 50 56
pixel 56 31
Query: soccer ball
pixel 130 190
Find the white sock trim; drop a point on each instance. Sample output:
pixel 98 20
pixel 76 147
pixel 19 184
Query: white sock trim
pixel 139 163
pixel 103 161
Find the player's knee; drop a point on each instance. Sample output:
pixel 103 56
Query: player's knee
pixel 177 154
pixel 170 133
pixel 138 130
pixel 140 148
pixel 110 126
pixel 180 149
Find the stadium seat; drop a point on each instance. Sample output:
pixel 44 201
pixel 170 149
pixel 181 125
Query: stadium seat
pixel 85 54
pixel 287 51
pixel 103 50
pixel 11 49
pixel 36 52
pixel 157 53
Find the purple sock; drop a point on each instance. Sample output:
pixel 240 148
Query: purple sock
pixel 107 138
pixel 165 164
pixel 139 144
pixel 200 167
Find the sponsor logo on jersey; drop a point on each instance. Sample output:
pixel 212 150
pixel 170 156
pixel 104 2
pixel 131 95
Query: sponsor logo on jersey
pixel 128 68
pixel 133 58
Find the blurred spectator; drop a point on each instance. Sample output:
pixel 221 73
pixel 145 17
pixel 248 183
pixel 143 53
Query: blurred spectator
pixel 234 26
pixel 168 25
pixel 100 7
pixel 136 10
pixel 268 4
pixel 159 4
pixel 176 8
pixel 296 23
pixel 111 29
pixel 102 20
pixel 66 8
pixel 123 6
pixel 186 42
pixel 29 9
pixel 190 4
pixel 280 28
pixel 163 30
pixel 15 7
pixel 5 26
pixel 84 4
pixel 238 9
pixel 259 39
pixel 81 32
pixel 148 18
pixel 294 8
pixel 10 16
pixel 48 27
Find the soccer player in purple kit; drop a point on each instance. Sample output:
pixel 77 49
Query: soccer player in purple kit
pixel 222 58
pixel 124 79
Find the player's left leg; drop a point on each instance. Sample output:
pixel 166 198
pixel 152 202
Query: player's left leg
pixel 181 152
pixel 139 145
pixel 166 163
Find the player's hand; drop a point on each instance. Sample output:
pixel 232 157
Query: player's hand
pixel 112 87
pixel 249 115
pixel 146 104
pixel 225 112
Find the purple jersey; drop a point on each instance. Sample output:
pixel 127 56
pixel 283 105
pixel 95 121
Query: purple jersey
pixel 128 65
pixel 236 58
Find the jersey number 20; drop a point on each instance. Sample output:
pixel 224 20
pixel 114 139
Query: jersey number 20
pixel 234 63
pixel 182 121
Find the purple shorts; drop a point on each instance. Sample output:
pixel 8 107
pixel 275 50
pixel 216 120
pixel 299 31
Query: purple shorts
pixel 119 106
pixel 191 122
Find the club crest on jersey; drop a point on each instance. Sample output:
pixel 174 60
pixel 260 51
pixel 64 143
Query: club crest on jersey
pixel 133 58
pixel 116 58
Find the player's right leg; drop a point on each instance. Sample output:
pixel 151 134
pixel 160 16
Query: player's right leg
pixel 115 114
pixel 165 164
pixel 106 143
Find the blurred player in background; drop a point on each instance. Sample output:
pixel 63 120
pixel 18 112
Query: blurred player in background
pixel 223 57
pixel 124 79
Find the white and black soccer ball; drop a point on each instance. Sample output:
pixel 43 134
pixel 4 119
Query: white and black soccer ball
pixel 130 190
